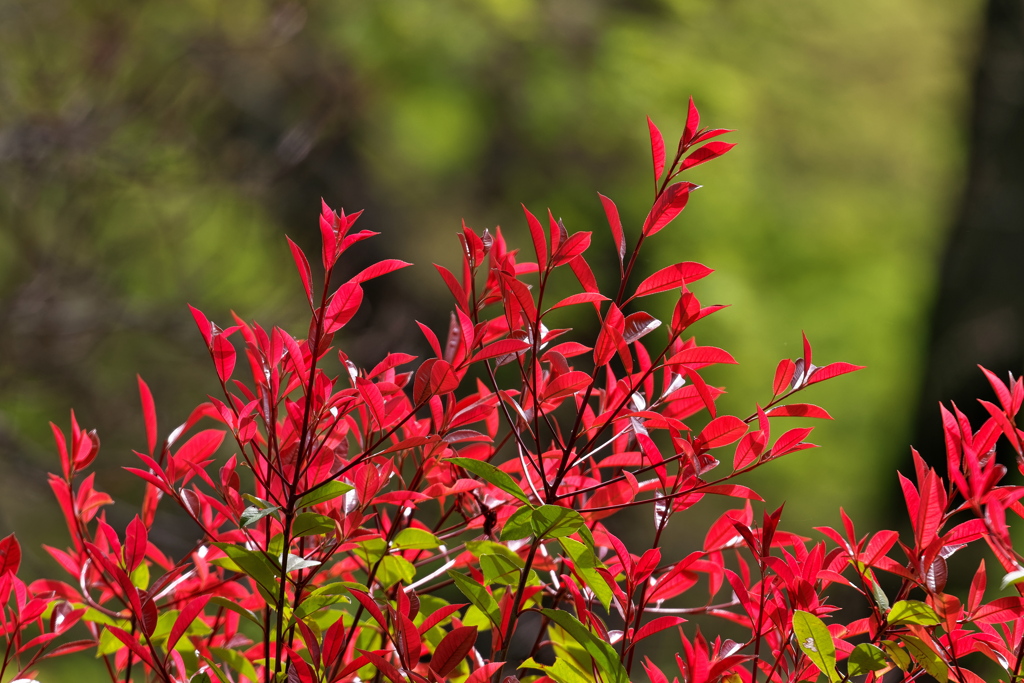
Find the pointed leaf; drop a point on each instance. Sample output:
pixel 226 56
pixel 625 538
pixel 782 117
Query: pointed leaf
pixel 10 555
pixel 148 413
pixel 816 642
pixel 452 649
pixel 657 150
pixel 667 207
pixel 799 410
pixel 710 151
pixel 135 543
pixel 493 475
pixel 672 277
pixel 615 224
pixel 302 265
pixel 832 370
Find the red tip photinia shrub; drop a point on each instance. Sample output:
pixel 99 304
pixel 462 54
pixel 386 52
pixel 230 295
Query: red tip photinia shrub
pixel 397 522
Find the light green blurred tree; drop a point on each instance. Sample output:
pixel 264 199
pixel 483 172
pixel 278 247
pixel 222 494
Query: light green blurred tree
pixel 154 153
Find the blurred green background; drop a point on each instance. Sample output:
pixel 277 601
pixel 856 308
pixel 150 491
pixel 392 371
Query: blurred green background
pixel 155 153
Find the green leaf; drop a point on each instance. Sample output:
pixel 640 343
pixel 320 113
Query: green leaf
pixel 140 576
pixel 554 521
pixel 324 493
pixel 493 475
pixel 913 612
pixel 413 538
pixel 216 670
pixel 477 595
pixel 606 659
pixel 237 661
pixel 586 563
pixel 254 563
pixel 865 658
pixel 237 609
pixel 564 670
pixel 393 569
pixel 518 525
pixel 258 502
pixel 816 642
pixel 254 514
pixel 499 569
pixel 371 550
pixel 898 655
pixel 931 662
pixel 312 524
pixel 478 548
pixel 881 599
pixel 1012 579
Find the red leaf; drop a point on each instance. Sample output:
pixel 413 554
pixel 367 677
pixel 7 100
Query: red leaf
pixel 701 355
pixel 133 644
pixel 370 606
pixel 833 370
pixel 615 223
pixel 750 448
pixel 485 672
pixel 733 490
pixel 692 124
pixel 10 555
pixel 500 348
pixel 148 413
pixel 431 339
pixel 799 410
pixel 581 269
pixel 200 446
pixel 452 649
pixel 373 400
pixel 610 337
pixel 789 442
pixel 656 625
pixel 653 672
pixel 439 615
pixel 383 665
pixel 392 360
pixel 672 277
pixel 709 133
pixel 135 543
pixel 581 298
pixel 540 244
pixel 667 207
pixel 1001 610
pixel 380 268
pixel 571 248
pixel 69 648
pixel 568 349
pixel 657 150
pixel 702 390
pixel 302 264
pixel 567 384
pixel 343 306
pixel 710 151
pixel 223 356
pixel 435 376
pixel 977 590
pixel 783 376
pixel 192 609
pixel 723 431
pixel 204 325
pixel 458 293
pixel 407 639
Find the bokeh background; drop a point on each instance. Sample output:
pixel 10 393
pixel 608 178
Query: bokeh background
pixel 155 153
